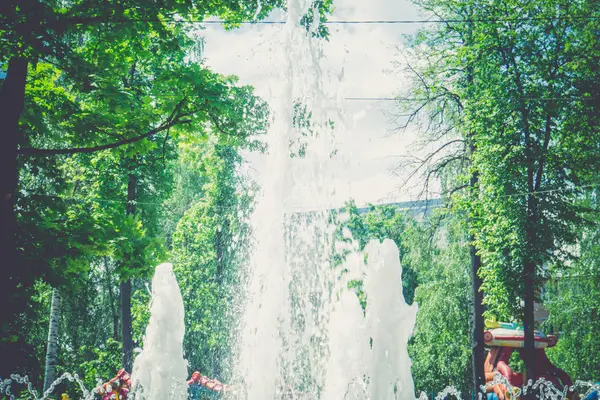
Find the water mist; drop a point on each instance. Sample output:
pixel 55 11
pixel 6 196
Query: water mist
pixel 297 339
pixel 160 371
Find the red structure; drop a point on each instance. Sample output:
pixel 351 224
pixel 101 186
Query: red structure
pixel 210 384
pixel 503 340
pixel 117 388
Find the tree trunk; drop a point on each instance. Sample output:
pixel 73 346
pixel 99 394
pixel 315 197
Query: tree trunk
pixel 477 343
pixel 478 349
pixel 528 287
pixel 111 299
pixel 478 352
pixel 12 97
pixel 126 328
pixel 126 318
pixel 52 346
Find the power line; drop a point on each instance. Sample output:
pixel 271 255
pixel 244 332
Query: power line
pixel 115 201
pixel 364 22
pixel 546 191
pixel 408 99
pixel 398 99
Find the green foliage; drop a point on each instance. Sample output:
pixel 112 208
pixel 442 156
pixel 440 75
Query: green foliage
pixel 140 311
pixel 573 299
pixel 508 103
pixel 357 286
pixel 303 126
pixel 516 363
pixel 104 103
pixel 379 223
pixel 314 18
pixel 103 363
pixel 209 245
pixel 440 348
pixel 134 250
pixel 510 98
pixel 528 143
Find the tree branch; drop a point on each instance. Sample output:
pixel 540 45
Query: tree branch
pixel 457 189
pixel 173 119
pixel 424 162
pixel 544 152
pixel 93 149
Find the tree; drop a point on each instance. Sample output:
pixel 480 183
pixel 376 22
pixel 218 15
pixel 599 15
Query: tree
pixel 441 346
pixel 52 346
pixel 442 77
pixel 530 148
pixel 108 91
pixel 109 71
pixel 529 80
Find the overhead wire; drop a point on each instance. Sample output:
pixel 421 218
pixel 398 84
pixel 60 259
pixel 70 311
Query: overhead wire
pixel 362 22
pixel 116 201
pixel 408 99
pixel 397 99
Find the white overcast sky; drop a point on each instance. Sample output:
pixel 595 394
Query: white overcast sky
pixel 361 54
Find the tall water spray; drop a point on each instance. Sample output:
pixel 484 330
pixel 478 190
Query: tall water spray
pixel 290 331
pixel 280 331
pixel 389 323
pixel 160 371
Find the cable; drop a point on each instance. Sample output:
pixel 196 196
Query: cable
pixel 546 191
pixel 364 22
pixel 101 200
pixel 590 186
pixel 399 99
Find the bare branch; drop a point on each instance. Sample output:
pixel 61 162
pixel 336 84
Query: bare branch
pixel 425 162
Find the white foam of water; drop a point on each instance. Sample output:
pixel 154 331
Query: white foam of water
pixel 264 351
pixel 390 322
pixel 286 342
pixel 369 357
pixel 160 371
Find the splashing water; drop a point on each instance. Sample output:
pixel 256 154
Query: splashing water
pixel 6 387
pixel 304 333
pixel 287 286
pixel 389 322
pixel 160 371
pixel 369 357
pixel 297 340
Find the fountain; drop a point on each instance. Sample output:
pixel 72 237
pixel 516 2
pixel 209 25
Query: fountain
pixel 160 371
pixel 304 334
pixel 369 357
pixel 297 340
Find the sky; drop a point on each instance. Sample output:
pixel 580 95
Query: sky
pixel 356 62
